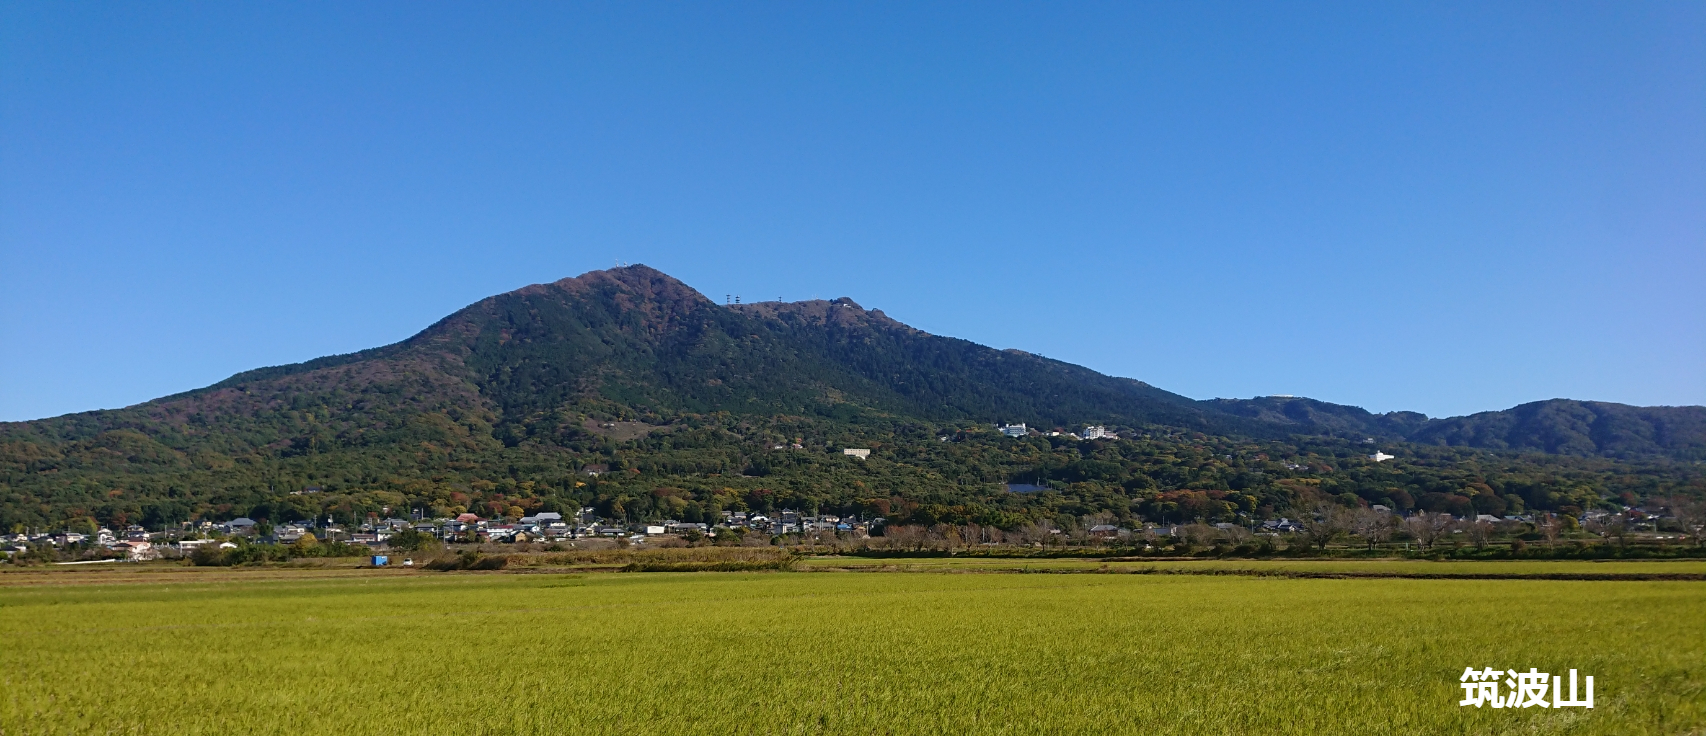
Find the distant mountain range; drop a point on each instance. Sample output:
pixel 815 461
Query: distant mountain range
pixel 637 344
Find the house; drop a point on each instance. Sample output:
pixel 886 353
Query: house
pixel 239 525
pixel 1014 430
pixel 289 533
pixel 858 453
pixel 1096 432
pixel 138 551
pixel 654 530
pixel 1380 457
pixel 1104 531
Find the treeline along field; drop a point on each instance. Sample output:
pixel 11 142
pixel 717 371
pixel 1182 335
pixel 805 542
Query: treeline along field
pixel 838 653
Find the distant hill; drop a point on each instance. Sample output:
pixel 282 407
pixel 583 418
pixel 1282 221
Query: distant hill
pixel 1585 428
pixel 1308 416
pixel 1557 426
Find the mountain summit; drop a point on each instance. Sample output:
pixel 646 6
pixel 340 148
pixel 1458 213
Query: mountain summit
pixel 635 342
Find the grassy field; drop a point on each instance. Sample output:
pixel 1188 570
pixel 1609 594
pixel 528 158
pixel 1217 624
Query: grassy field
pixel 341 651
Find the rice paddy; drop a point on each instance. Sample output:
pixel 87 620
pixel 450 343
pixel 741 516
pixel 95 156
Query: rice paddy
pixel 414 652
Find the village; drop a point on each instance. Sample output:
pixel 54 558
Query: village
pixel 138 543
pixel 584 529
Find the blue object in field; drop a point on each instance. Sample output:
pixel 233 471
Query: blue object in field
pixel 380 560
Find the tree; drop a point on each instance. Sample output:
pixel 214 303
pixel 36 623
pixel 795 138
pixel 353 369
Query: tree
pixel 1323 522
pixel 1038 532
pixel 1549 527
pixel 1479 532
pixel 1375 527
pixel 1691 516
pixel 1199 535
pixel 304 546
pixel 410 540
pixel 1611 526
pixel 1427 527
pixel 905 536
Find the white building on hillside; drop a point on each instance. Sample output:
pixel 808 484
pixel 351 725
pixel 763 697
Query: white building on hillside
pixel 1014 430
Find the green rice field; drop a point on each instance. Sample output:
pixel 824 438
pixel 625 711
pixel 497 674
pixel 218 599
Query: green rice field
pixel 276 651
pixel 1391 566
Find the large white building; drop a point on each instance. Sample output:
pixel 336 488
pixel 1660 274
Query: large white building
pixel 1014 430
pixel 1095 433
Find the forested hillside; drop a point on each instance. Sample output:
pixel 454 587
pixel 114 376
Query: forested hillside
pixel 684 406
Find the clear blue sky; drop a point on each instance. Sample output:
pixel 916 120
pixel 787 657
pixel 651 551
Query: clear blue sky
pixel 1438 207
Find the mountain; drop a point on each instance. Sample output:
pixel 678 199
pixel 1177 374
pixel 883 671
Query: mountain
pixel 1566 427
pixel 1557 426
pixel 632 369
pixel 1308 416
pixel 636 344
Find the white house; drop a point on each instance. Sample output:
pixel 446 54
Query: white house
pixel 1095 433
pixel 1380 457
pixel 858 453
pixel 1014 430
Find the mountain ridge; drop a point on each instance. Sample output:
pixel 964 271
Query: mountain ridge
pixel 636 336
